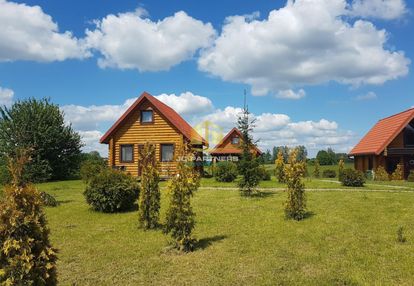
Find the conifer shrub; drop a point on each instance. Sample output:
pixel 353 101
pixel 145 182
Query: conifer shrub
pixel 26 254
pixel 226 171
pixel 411 176
pixel 341 167
pixel 295 205
pixel 329 173
pixel 180 218
pixel 112 191
pixel 381 174
pixel 353 178
pixel 264 174
pixel 316 170
pixel 280 167
pixel 398 174
pixel 150 196
pixel 48 200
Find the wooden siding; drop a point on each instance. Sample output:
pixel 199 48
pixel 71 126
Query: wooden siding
pixel 398 142
pixel 136 133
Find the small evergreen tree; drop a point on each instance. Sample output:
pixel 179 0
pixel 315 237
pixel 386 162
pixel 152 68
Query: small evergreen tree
pixel 398 174
pixel 26 255
pixel 150 196
pixel 280 167
pixel 248 164
pixel 316 170
pixel 180 218
pixel 341 167
pixel 295 206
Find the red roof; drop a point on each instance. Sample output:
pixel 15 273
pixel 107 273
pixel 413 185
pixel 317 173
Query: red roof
pixel 173 117
pixel 230 150
pixel 383 133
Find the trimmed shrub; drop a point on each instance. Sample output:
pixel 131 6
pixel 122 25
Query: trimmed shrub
pixel 149 200
pixel 280 167
pixel 316 170
pixel 226 171
pixel 112 191
pixel 295 206
pixel 264 174
pixel 398 174
pixel 353 178
pixel 48 200
pixel 91 168
pixel 26 254
pixel 180 219
pixel 411 176
pixel 341 167
pixel 329 173
pixel 381 174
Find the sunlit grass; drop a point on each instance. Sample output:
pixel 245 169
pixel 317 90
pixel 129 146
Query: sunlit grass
pixel 348 239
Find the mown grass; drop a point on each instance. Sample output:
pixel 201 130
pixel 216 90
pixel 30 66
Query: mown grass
pixel 349 238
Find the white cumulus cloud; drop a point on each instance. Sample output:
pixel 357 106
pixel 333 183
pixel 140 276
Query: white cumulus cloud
pixel 273 129
pixel 187 103
pixel 306 42
pixel 132 41
pixel 368 96
pixel 291 94
pixel 381 9
pixel 6 96
pixel 27 33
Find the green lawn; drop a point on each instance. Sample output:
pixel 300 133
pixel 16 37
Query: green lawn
pixel 349 239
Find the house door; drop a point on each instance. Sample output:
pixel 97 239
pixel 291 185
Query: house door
pixel 409 165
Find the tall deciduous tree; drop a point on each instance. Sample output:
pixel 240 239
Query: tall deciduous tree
pixel 39 125
pixel 150 196
pixel 248 164
pixel 180 220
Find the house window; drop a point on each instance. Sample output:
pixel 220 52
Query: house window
pixel 167 152
pixel 147 116
pixel 127 153
pixel 235 140
pixel 409 135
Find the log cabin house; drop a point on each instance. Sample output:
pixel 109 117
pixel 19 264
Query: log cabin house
pixel 389 143
pixel 230 146
pixel 150 120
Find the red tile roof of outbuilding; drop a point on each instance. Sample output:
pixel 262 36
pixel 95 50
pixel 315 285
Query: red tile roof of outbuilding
pixel 230 150
pixel 383 133
pixel 173 117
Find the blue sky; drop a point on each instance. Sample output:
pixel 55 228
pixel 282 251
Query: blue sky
pixel 317 72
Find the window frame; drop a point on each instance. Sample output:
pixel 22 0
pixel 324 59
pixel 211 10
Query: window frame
pixel 238 140
pixel 141 116
pixel 173 151
pixel 121 152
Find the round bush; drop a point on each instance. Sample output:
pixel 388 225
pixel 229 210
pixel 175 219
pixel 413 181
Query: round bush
pixel 411 177
pixel 264 174
pixel 329 173
pixel 48 200
pixel 353 178
pixel 112 191
pixel 90 168
pixel 226 172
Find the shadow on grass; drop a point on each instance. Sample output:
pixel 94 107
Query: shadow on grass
pixel 65 202
pixel 306 215
pixel 208 241
pixel 259 195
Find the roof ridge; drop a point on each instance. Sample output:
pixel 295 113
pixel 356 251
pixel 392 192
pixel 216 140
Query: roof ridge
pixel 399 113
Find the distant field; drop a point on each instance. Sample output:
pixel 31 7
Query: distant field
pixel 349 239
